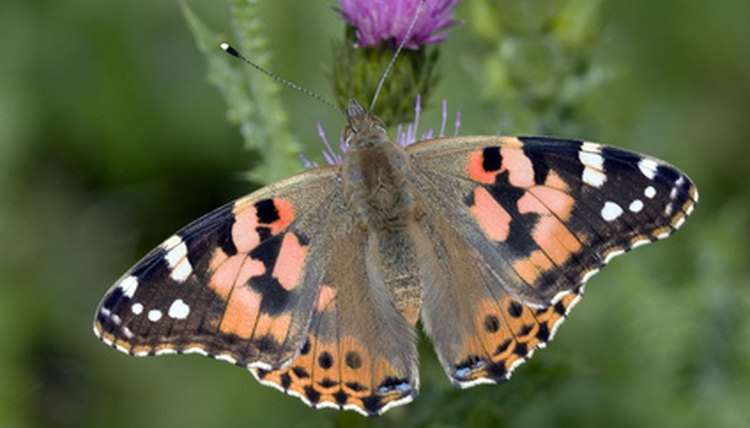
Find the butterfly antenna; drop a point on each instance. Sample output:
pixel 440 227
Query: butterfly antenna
pixel 395 55
pixel 235 53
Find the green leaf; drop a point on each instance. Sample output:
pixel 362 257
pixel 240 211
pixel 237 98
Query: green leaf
pixel 251 98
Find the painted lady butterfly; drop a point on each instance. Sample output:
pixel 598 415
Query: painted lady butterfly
pixel 316 283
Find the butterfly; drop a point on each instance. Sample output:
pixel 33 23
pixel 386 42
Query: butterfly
pixel 316 283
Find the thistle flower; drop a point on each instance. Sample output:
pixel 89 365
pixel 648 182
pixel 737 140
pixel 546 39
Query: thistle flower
pixel 405 136
pixel 379 21
pixel 374 29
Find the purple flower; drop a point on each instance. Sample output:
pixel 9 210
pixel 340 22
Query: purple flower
pixel 388 20
pixel 405 136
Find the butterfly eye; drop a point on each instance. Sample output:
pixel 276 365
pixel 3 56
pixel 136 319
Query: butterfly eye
pixel 348 133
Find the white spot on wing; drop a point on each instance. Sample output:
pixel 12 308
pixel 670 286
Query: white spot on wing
pixel 648 168
pixel 593 162
pixel 176 258
pixel 171 242
pixel 179 310
pixel 593 177
pixel 588 146
pixel 154 315
pixel 650 192
pixel 611 211
pixel 128 286
pixel 137 308
pixel 591 159
pixel 182 271
pixel 636 206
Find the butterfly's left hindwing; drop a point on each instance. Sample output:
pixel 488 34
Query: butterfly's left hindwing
pixel 237 284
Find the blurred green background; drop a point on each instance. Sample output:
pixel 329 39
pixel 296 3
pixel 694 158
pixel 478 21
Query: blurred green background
pixel 111 139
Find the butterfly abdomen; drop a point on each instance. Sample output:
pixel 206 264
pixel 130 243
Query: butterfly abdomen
pixel 381 198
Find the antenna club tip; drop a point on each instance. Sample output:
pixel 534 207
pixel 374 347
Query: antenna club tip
pixel 229 49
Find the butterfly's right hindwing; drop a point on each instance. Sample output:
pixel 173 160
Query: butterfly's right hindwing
pixel 238 284
pixel 360 353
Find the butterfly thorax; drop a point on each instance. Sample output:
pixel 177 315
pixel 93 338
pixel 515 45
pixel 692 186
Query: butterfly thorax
pixel 375 175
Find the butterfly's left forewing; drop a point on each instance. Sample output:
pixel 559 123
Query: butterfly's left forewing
pixel 238 284
pixel 550 212
pixel 533 219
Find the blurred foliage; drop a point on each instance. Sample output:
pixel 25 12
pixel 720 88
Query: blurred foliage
pixel 111 139
pixel 251 97
pixel 538 64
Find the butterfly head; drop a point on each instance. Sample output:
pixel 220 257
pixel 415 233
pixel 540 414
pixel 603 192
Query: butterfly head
pixel 364 129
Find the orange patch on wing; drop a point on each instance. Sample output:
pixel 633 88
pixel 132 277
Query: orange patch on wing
pixel 526 319
pixel 518 165
pixel 290 262
pixel 551 316
pixel 481 342
pixel 476 169
pixel 276 326
pixel 327 380
pixel 556 182
pixel 305 362
pixel 244 235
pixel 556 201
pixel 235 270
pixel 325 297
pixel 349 379
pixel 320 371
pixel 528 203
pixel 286 216
pixel 356 367
pixel 491 216
pixel 532 267
pixel 241 311
pixel 551 235
pixel 493 330
pixel 217 259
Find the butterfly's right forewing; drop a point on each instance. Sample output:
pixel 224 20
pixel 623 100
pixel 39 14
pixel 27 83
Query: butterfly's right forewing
pixel 238 284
